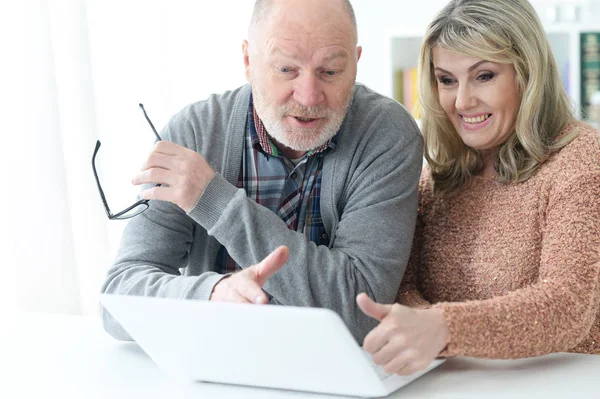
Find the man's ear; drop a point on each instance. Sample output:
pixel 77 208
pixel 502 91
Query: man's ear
pixel 246 60
pixel 358 52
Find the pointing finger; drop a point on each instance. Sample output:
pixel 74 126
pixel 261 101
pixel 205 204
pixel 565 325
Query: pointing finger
pixel 269 265
pixel 251 291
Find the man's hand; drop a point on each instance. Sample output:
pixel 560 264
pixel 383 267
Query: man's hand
pixel 184 171
pixel 246 286
pixel 406 340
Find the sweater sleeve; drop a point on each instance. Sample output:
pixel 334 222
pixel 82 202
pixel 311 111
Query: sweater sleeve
pixel 555 313
pixel 154 247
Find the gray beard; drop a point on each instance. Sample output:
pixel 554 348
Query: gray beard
pixel 298 138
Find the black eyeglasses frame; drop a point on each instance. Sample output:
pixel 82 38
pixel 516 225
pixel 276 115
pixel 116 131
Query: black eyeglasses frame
pixel 142 204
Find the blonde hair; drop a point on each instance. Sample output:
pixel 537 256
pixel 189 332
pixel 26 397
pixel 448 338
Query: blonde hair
pixel 509 32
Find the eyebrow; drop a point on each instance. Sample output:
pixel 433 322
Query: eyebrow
pixel 469 70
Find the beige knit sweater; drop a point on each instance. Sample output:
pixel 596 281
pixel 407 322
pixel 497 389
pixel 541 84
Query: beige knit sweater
pixel 515 267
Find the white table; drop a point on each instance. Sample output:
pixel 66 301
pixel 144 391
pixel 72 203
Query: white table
pixel 58 356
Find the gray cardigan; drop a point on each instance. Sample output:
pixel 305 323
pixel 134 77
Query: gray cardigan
pixel 368 206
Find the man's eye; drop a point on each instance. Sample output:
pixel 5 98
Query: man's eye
pixel 330 73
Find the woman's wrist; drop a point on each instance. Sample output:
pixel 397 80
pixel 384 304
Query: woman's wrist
pixel 438 321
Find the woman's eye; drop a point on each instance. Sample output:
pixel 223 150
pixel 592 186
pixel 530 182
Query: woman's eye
pixel 445 81
pixel 484 77
pixel 285 69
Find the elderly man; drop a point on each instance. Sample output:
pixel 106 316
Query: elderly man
pixel 302 165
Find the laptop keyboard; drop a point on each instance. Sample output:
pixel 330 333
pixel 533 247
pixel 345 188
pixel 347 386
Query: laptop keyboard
pixel 381 373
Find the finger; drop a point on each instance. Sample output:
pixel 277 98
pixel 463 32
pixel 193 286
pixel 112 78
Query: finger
pixel 231 296
pixel 158 160
pixel 414 367
pixel 154 175
pixel 410 368
pixel 376 339
pixel 250 290
pixel 157 193
pixel 401 362
pixel 167 148
pixel 269 265
pixel 371 308
pixel 386 353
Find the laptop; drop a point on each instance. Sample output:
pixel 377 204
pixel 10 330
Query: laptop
pixel 283 347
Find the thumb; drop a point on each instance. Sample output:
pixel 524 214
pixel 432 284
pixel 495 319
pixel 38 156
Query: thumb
pixel 371 308
pixel 269 265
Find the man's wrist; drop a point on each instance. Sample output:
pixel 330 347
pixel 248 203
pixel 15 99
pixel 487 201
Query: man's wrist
pixel 225 276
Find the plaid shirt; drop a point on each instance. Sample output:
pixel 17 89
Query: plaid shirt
pixel 292 191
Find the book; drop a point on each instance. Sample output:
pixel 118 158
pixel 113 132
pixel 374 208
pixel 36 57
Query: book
pixel 590 70
pixel 399 85
pixel 406 89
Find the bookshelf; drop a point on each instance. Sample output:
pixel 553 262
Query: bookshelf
pixel 402 52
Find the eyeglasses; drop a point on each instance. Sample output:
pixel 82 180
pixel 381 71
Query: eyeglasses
pixel 134 209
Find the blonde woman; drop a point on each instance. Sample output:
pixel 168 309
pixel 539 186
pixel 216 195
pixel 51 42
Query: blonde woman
pixel 505 261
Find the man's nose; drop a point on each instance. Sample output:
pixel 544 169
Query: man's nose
pixel 308 90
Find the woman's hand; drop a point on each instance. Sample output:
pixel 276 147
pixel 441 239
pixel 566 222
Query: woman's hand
pixel 406 340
